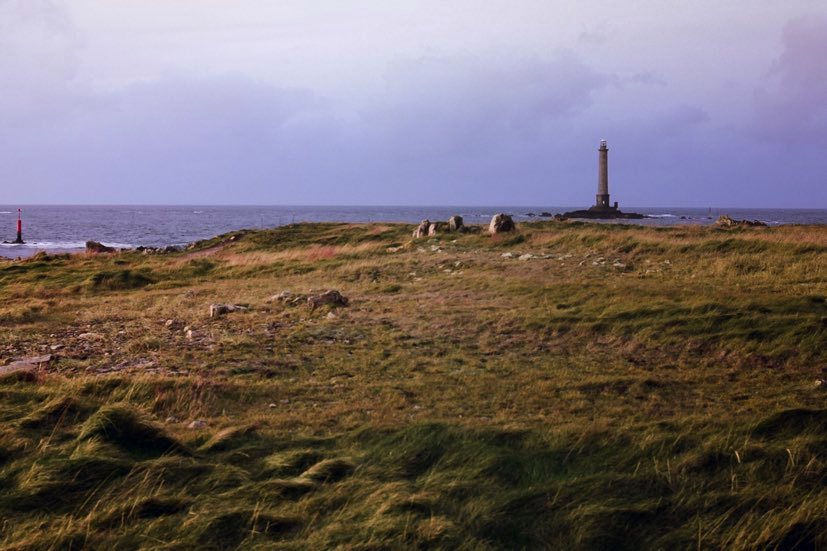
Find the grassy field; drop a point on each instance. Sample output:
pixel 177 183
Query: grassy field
pixel 620 388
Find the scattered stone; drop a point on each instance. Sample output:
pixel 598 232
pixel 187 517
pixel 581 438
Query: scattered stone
pixel 284 296
pixel 725 221
pixel 331 316
pixel 501 223
pixel 91 336
pixel 455 223
pixel 287 297
pixel 172 419
pixel 527 256
pixel 55 347
pixel 197 424
pixel 619 265
pixel 821 383
pixel 191 334
pixel 331 297
pixel 174 325
pixel 18 373
pixel 28 363
pixel 422 229
pixel 94 247
pixel 507 255
pixel 24 369
pixel 217 310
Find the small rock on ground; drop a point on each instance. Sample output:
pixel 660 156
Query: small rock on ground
pixel 221 309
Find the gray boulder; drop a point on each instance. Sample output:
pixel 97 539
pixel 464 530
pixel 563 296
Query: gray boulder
pixel 422 229
pixel 331 297
pixel 501 223
pixel 455 223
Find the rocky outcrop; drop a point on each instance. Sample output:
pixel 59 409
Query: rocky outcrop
pixel 426 228
pixel 501 223
pixel 725 221
pixel 95 248
pixel 331 298
pixel 422 230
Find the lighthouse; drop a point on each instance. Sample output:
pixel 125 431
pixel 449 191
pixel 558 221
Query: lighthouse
pixel 602 208
pixel 602 176
pixel 19 239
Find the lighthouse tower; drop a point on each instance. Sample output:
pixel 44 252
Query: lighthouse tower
pixel 602 208
pixel 602 202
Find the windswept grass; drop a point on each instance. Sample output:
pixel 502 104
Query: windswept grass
pixel 620 388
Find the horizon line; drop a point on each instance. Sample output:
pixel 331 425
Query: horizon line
pixel 296 205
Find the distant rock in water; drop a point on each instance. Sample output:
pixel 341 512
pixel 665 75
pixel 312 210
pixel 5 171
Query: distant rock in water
pixel 727 222
pixel 94 247
pixel 501 223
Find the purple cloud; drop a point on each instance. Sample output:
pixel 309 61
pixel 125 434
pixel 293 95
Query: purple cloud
pixel 792 107
pixel 446 129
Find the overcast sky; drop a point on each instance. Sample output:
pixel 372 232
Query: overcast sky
pixel 428 102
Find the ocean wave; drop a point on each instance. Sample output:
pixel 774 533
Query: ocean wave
pixel 661 216
pixel 59 245
pixel 6 212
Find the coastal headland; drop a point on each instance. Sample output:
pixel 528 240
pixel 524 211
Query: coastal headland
pixel 563 385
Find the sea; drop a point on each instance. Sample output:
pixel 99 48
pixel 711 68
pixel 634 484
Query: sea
pixel 56 229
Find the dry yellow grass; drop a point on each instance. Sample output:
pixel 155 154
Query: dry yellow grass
pixel 624 386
